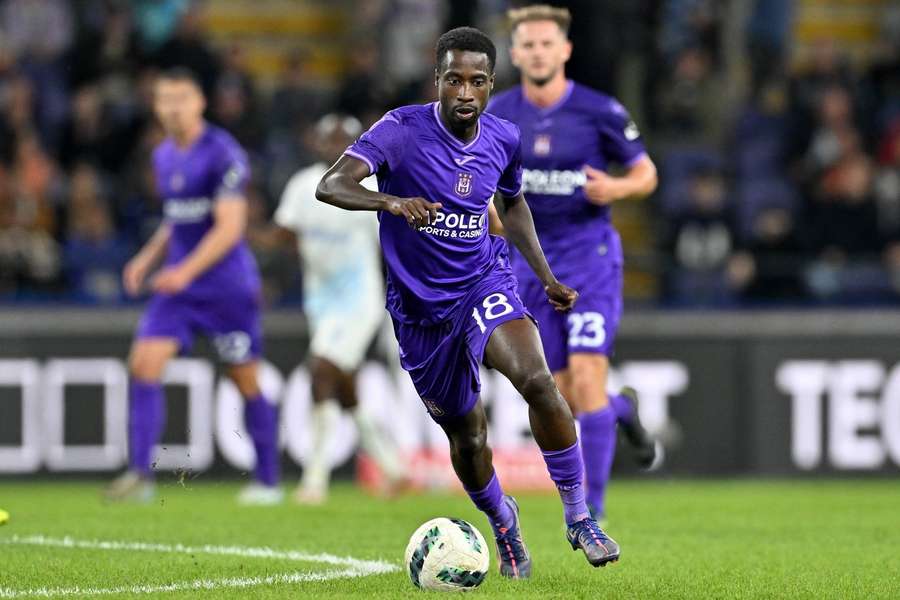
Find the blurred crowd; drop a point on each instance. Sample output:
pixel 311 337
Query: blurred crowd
pixel 785 191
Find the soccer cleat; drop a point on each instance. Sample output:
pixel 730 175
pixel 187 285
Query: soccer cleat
pixel 598 516
pixel 256 494
pixel 598 547
pixel 4 517
pixel 515 562
pixel 310 495
pixel 131 486
pixel 645 448
pixel 393 488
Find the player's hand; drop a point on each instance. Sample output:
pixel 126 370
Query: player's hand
pixel 134 274
pixel 171 280
pixel 418 212
pixel 561 296
pixel 602 188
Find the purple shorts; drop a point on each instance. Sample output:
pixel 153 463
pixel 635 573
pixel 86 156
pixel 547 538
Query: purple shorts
pixel 443 360
pixel 233 324
pixel 592 324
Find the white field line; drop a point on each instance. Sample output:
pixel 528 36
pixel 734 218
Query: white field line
pixel 355 567
pixel 375 566
pixel 197 584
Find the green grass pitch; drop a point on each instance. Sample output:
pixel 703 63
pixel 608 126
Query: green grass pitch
pixel 709 539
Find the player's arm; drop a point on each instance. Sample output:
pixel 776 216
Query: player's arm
pixel 341 187
pixel 518 227
pixel 495 225
pixel 230 220
pixel 638 182
pixel 150 255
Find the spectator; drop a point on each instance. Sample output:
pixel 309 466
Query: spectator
pixel 701 241
pixel 189 48
pixel 94 253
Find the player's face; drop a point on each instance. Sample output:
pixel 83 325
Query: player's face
pixel 540 50
pixel 464 81
pixel 178 104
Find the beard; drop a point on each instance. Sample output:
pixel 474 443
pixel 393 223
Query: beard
pixel 542 81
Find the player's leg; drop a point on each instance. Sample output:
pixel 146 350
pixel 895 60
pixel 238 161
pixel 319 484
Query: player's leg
pixel 514 349
pixel 588 375
pixel 647 451
pixel 326 413
pixel 261 421
pixel 146 415
pixel 234 325
pixel 372 439
pixel 471 457
pixel 445 373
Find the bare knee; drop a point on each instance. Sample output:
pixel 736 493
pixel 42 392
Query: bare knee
pixel 148 360
pixel 246 380
pixel 537 386
pixel 469 444
pixel 588 378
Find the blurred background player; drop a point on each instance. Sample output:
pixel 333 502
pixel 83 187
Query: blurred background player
pixel 343 302
pixel 208 284
pixel 571 135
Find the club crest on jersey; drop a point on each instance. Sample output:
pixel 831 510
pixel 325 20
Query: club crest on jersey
pixel 463 184
pixel 542 144
pixel 433 407
pixel 176 182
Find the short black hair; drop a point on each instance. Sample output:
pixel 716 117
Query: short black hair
pixel 181 74
pixel 466 39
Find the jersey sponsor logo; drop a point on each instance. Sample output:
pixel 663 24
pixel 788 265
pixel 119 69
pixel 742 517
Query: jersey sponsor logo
pixel 462 161
pixel 454 225
pixel 631 131
pixel 552 183
pixel 187 210
pixel 463 184
pixel 542 146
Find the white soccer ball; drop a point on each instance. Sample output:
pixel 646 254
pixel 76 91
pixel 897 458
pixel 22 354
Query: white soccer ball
pixel 448 555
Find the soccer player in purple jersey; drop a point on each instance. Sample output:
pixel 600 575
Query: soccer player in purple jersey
pixel 451 292
pixel 570 136
pixel 208 284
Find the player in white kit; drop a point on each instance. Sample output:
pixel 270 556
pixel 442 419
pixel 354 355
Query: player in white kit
pixel 344 305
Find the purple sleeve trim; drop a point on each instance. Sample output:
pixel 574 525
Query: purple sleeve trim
pixel 513 195
pixel 635 160
pixel 359 156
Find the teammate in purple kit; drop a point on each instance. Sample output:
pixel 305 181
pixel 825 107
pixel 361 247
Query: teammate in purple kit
pixel 570 135
pixel 451 292
pixel 208 284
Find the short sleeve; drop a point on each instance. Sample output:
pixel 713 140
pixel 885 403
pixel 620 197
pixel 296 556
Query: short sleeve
pixel 510 183
pixel 382 146
pixel 620 137
pixel 232 171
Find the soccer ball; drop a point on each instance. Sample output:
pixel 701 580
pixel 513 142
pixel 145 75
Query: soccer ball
pixel 447 555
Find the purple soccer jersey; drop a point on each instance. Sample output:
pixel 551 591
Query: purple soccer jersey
pixel 190 182
pixel 223 302
pixel 584 127
pixel 450 283
pixel 413 154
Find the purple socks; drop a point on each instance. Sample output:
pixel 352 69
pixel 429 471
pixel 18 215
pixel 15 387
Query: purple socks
pixel 261 420
pixel 490 502
pixel 146 419
pixel 598 445
pixel 622 407
pixel 567 472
